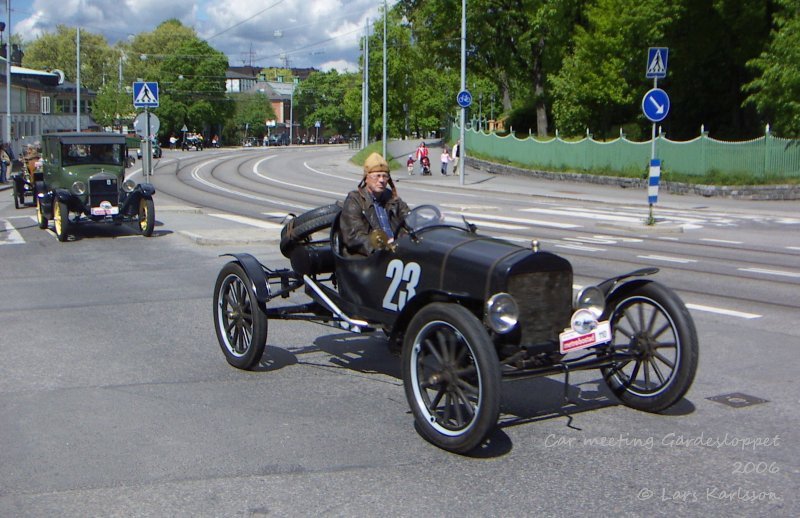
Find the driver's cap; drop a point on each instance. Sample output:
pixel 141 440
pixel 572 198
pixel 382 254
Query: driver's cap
pixel 375 163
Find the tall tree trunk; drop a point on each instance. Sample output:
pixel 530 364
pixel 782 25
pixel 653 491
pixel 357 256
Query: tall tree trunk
pixel 538 90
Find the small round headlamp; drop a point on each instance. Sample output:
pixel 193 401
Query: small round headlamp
pixel 128 185
pixel 78 188
pixel 591 298
pixel 502 312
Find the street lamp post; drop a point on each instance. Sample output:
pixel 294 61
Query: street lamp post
pixel 462 147
pixel 7 128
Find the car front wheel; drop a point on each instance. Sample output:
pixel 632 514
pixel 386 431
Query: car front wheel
pixel 60 219
pixel 41 219
pixel 147 216
pixel 451 376
pixel 654 347
pixel 240 323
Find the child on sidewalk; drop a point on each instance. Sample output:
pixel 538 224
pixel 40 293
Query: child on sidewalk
pixel 410 164
pixel 445 160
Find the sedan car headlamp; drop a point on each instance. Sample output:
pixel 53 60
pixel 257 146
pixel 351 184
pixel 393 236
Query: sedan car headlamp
pixel 79 188
pixel 128 185
pixel 591 298
pixel 502 312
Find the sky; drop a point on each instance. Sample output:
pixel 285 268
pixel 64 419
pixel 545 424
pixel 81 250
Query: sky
pixel 323 34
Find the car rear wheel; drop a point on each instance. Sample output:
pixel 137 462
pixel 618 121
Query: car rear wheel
pixel 239 320
pixel 451 376
pixel 654 346
pixel 60 219
pixel 147 216
pixel 41 220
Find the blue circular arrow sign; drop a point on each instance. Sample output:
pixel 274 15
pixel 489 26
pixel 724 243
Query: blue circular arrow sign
pixel 464 98
pixel 655 105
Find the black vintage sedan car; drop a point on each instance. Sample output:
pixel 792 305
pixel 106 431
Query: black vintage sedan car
pixel 465 311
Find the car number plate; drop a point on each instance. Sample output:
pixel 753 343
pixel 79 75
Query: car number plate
pixel 99 211
pixel 573 341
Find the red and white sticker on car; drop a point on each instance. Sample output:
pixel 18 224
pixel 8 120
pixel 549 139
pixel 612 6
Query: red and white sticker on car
pixel 571 340
pixel 105 209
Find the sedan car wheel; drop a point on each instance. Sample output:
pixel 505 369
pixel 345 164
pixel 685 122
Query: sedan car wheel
pixel 40 217
pixel 240 322
pixel 451 376
pixel 147 216
pixel 654 346
pixel 60 219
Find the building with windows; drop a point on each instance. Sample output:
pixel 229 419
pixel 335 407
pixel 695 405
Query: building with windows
pixel 41 102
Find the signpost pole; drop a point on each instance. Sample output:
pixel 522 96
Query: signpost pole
pixel 655 106
pixel 147 153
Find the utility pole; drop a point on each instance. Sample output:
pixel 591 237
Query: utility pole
pixel 78 80
pixel 462 147
pixel 7 129
pixel 383 136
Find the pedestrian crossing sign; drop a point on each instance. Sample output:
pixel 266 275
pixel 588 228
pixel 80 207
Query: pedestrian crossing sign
pixel 145 95
pixel 657 62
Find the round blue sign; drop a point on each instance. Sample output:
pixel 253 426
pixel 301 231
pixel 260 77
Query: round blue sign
pixel 655 105
pixel 464 98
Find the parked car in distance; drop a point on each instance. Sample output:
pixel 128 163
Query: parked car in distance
pixel 156 150
pixel 280 139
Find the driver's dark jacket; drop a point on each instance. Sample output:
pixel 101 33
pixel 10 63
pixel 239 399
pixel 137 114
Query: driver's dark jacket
pixel 358 219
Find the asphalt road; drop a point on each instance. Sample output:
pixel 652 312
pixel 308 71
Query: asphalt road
pixel 115 399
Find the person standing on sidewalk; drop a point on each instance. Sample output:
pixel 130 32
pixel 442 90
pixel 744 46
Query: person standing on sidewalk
pixel 445 160
pixel 456 154
pixel 5 163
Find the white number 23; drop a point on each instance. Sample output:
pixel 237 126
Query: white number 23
pixel 399 273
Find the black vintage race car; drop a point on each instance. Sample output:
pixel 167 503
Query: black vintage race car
pixel 465 311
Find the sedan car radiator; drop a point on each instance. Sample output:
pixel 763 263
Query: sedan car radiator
pixel 103 189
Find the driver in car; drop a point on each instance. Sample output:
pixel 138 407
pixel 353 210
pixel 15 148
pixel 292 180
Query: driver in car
pixel 373 205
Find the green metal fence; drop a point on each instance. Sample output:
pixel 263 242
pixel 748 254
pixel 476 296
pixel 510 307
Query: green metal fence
pixel 767 156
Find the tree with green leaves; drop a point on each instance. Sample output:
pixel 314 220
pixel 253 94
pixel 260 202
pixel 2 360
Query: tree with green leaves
pixel 251 110
pixel 775 91
pixel 58 50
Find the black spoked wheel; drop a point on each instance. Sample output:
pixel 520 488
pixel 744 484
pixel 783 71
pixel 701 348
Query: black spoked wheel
pixel 41 219
pixel 60 219
pixel 240 322
pixel 147 216
pixel 451 376
pixel 654 345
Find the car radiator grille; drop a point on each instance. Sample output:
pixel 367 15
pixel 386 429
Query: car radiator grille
pixel 103 190
pixel 545 304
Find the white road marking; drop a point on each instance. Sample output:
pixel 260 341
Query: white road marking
pixel 666 258
pixel 532 222
pixel 582 247
pixel 724 241
pixel 248 221
pixel 577 213
pixel 793 247
pixel 196 176
pixel 770 272
pixel 721 311
pixel 12 235
pixel 297 186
